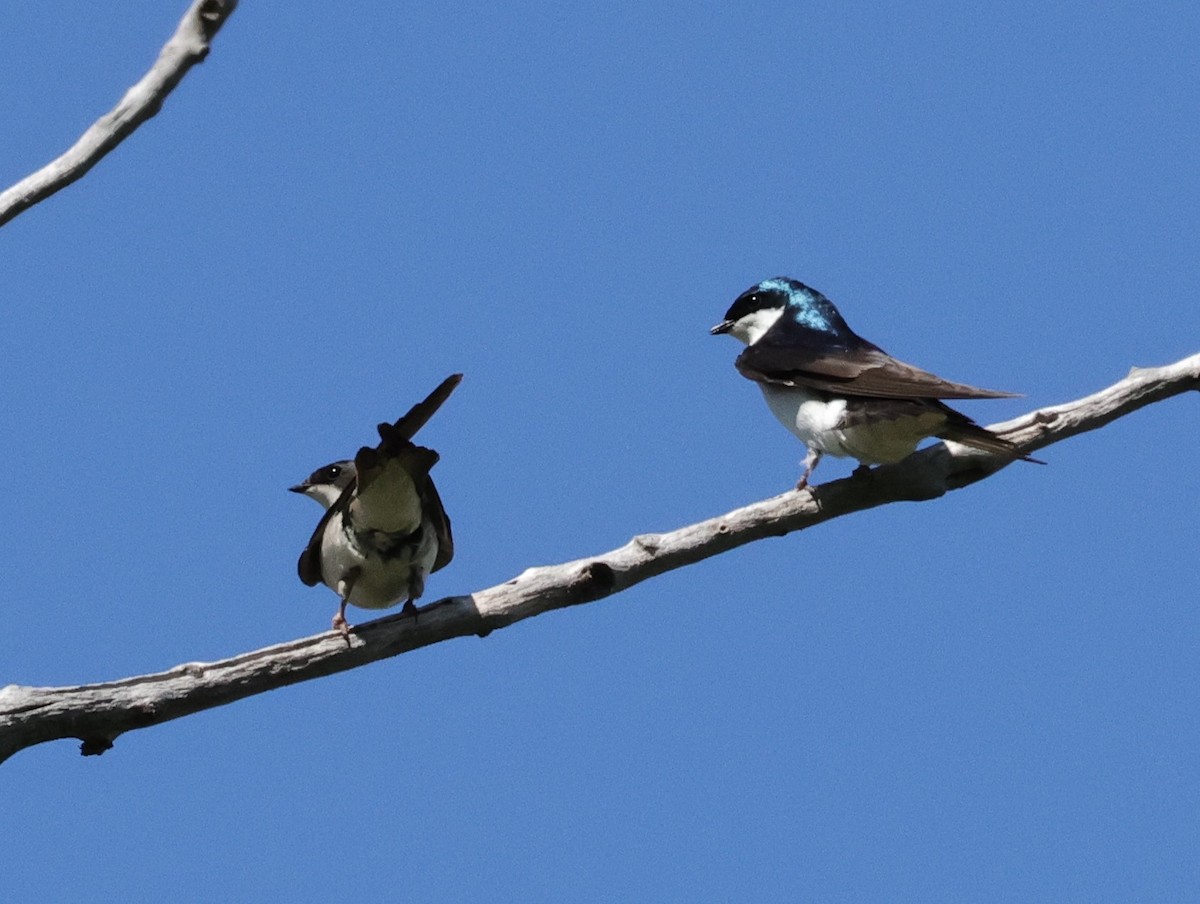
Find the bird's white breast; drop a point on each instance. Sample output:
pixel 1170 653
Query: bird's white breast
pixel 813 419
pixel 379 582
pixel 819 423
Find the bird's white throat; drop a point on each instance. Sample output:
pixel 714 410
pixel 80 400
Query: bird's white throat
pixel 325 493
pixel 752 326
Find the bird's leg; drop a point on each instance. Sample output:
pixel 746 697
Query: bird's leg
pixel 339 622
pixel 810 463
pixel 344 588
pixel 416 586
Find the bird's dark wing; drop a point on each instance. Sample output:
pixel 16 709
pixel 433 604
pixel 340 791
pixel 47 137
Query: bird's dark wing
pixel 309 566
pixel 432 503
pixel 418 416
pixel 850 367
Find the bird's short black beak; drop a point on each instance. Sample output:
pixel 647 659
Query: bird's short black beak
pixel 723 327
pixel 299 488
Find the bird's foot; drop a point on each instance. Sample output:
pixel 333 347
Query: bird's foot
pixel 802 483
pixel 409 608
pixel 342 626
pixel 861 470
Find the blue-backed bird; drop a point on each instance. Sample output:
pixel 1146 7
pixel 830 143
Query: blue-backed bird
pixel 838 393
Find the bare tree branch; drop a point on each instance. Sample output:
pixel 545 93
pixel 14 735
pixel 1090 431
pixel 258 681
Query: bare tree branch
pixel 98 713
pixel 187 47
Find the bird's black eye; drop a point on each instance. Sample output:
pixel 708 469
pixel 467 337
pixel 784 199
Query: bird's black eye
pixel 744 304
pixel 327 474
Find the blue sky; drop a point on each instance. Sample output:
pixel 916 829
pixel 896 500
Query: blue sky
pixel 989 697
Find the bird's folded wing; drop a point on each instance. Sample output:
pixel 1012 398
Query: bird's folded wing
pixel 852 371
pixel 309 566
pixel 436 512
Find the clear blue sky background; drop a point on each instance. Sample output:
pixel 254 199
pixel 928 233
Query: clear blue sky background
pixel 988 697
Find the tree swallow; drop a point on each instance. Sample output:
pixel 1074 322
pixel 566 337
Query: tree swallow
pixel 840 394
pixel 384 528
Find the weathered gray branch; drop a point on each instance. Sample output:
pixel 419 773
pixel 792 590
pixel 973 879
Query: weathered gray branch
pixel 187 47
pixel 98 713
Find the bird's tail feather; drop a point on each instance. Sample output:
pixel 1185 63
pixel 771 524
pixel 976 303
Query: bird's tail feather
pixel 417 416
pixel 978 438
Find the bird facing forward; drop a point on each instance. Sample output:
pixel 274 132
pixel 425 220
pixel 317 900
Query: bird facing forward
pixel 384 529
pixel 838 393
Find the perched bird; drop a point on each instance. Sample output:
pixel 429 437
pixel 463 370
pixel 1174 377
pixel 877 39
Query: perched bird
pixel 840 394
pixel 384 528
